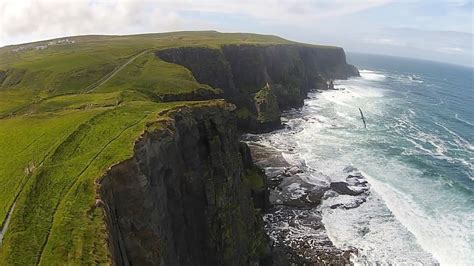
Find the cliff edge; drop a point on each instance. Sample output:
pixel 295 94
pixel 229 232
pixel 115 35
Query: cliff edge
pixel 184 198
pixel 245 73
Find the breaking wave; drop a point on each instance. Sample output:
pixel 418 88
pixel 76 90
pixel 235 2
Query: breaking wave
pixel 418 163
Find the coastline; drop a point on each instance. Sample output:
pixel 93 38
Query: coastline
pixel 172 180
pixel 294 222
pixel 307 204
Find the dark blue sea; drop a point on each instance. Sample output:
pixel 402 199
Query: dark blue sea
pixel 417 153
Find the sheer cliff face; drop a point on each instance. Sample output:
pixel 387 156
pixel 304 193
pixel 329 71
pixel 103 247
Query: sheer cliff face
pixel 181 200
pixel 242 70
pixel 189 194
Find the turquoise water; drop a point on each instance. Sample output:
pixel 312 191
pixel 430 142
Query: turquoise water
pixel 417 153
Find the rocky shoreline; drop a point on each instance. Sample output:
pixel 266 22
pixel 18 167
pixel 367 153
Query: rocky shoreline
pixel 294 221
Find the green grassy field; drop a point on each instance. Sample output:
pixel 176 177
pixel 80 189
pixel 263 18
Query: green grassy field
pixel 51 160
pixel 79 66
pixel 67 114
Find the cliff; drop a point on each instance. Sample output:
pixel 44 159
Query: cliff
pixel 176 187
pixel 191 194
pixel 184 198
pixel 241 71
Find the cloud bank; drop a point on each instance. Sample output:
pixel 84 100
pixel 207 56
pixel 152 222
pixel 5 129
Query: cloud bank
pixel 356 25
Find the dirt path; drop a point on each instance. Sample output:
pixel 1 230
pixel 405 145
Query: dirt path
pixel 88 89
pixel 77 179
pixel 113 73
pixel 3 230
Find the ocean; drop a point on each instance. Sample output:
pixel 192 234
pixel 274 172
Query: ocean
pixel 417 154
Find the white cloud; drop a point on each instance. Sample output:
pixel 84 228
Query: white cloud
pixel 451 50
pixel 336 22
pixel 27 20
pixel 278 11
pixel 385 41
pixel 447 46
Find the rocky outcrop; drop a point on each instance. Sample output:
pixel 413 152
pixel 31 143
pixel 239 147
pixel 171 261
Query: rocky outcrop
pixel 266 105
pixel 293 221
pixel 184 198
pixel 199 94
pixel 3 75
pixel 11 77
pixel 292 70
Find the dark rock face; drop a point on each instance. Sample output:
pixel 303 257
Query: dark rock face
pixel 191 194
pixel 209 66
pixel 182 199
pixel 242 70
pixel 343 189
pixel 355 186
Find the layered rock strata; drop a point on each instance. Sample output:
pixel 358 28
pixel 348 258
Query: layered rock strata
pixel 243 72
pixel 185 197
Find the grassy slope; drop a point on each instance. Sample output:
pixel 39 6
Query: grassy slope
pixel 61 128
pixel 56 220
pixel 26 141
pixel 153 77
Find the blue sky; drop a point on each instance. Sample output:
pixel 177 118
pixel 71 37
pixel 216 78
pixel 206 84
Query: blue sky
pixel 440 30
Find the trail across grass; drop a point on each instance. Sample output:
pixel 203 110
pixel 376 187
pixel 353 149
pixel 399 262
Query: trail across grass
pixel 109 76
pixel 55 219
pixel 67 114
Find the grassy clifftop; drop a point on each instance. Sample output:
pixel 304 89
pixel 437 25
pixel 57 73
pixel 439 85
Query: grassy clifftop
pixel 50 161
pixel 70 108
pixel 85 64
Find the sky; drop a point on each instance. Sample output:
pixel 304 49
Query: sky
pixel 438 30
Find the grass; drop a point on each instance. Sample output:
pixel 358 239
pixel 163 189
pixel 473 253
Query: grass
pixel 67 114
pixel 74 68
pixel 254 179
pixel 26 141
pixel 56 220
pixel 21 239
pixel 152 76
pixel 11 99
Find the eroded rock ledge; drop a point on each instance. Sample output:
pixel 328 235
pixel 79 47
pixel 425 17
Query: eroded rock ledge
pixel 185 197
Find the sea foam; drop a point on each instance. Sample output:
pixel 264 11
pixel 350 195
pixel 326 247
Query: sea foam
pixel 418 212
